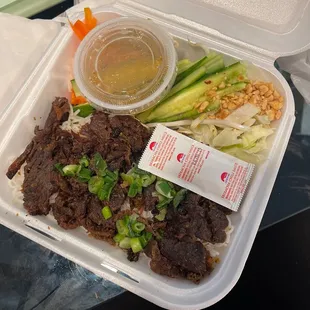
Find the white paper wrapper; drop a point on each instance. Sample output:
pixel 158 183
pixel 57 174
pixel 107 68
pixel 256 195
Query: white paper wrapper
pixel 197 167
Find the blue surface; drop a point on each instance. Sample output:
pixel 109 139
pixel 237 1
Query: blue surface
pixel 33 277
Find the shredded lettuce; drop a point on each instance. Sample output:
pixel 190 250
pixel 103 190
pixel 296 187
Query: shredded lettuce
pixel 256 133
pixel 243 114
pixel 227 137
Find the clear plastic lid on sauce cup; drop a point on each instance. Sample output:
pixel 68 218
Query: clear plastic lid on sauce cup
pixel 125 65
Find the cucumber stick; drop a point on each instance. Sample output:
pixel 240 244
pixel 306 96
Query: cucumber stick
pixel 186 99
pixel 183 65
pixel 211 66
pixel 191 69
pixel 212 107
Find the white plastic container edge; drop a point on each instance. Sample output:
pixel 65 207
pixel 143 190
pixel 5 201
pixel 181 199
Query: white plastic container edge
pixel 110 263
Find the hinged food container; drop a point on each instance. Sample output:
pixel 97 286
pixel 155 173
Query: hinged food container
pixel 255 31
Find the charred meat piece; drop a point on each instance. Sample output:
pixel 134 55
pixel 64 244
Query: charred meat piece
pixel 190 256
pixel 132 257
pixel 70 211
pixel 131 130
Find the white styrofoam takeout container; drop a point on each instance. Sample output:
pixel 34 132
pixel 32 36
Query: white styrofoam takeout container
pixel 252 33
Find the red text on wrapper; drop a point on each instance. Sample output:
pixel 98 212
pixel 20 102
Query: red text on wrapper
pixel 197 167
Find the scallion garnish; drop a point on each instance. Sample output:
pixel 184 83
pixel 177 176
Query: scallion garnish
pixel 84 161
pixel 84 175
pixel 135 245
pixel 70 170
pixel 99 165
pixel 106 212
pixel 180 195
pixel 95 184
pixel 138 227
pixel 125 243
pixel 162 214
pixel 59 167
pixel 164 189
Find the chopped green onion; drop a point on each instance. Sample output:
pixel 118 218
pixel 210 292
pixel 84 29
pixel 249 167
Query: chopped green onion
pixel 145 238
pixel 106 212
pixel 118 238
pixel 134 188
pixel 84 175
pixel 100 165
pixel 137 227
pixel 136 170
pixel 135 245
pixel 127 178
pixel 126 220
pixel 163 188
pixel 180 195
pixel 59 167
pixel 95 184
pixel 125 243
pixel 162 214
pixel 112 175
pixel 147 180
pixel 84 161
pixel 148 236
pixel 122 227
pixel 164 203
pixel 105 191
pixel 70 170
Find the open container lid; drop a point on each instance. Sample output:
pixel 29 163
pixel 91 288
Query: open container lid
pixel 271 28
pixel 279 27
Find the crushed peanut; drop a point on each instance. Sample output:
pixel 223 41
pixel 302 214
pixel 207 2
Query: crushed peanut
pixel 261 94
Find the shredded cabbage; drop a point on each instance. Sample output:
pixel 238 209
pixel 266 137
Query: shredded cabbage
pixel 243 114
pixel 227 137
pixel 242 134
pixel 257 132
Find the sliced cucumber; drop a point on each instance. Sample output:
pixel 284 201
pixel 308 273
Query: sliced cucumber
pixel 212 107
pixel 185 100
pixel 191 69
pixel 211 66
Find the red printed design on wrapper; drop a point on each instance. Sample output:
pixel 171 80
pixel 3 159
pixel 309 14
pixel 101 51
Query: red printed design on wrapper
pixel 197 167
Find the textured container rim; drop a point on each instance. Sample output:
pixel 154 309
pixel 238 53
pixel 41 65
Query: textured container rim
pixel 169 76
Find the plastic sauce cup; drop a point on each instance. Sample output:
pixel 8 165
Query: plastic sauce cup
pixel 125 65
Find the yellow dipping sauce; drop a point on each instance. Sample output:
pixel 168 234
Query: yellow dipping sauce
pixel 124 63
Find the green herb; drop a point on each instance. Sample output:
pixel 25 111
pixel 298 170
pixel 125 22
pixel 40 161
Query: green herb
pixel 127 178
pixel 95 184
pixel 164 203
pixel 163 188
pixel 148 179
pixel 106 212
pixel 84 161
pixel 105 191
pixel 122 227
pixel 134 188
pixel 135 245
pixel 112 175
pixel 162 214
pixel 125 243
pixel 180 195
pixel 84 175
pixel 145 238
pixel 118 238
pixel 70 170
pixel 137 227
pixel 59 167
pixel 100 165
